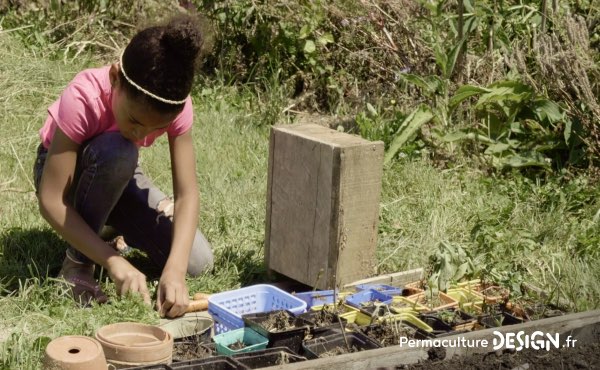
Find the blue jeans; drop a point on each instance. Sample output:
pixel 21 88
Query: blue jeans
pixel 109 188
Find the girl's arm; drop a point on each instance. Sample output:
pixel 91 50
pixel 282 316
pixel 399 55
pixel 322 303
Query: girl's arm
pixel 57 178
pixel 172 291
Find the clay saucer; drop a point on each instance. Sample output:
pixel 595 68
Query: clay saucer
pixel 130 343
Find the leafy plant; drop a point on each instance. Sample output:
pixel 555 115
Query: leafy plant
pixel 449 264
pixel 518 127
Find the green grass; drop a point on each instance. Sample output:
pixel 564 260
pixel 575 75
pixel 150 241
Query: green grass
pixel 513 228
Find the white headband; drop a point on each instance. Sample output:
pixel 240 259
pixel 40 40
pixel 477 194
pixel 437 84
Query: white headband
pixel 174 102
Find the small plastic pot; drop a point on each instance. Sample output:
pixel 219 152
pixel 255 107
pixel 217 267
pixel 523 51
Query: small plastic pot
pixel 268 357
pixel 494 294
pixel 461 321
pixel 498 319
pixel 353 342
pixel 252 341
pixel 446 300
pixel 403 304
pixel 363 297
pixel 291 335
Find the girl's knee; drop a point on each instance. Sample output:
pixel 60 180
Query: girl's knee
pixel 112 149
pixel 201 256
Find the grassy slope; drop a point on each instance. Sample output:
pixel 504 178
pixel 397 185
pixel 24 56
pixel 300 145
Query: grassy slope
pixel 531 227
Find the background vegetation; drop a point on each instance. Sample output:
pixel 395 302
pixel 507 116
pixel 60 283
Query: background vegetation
pixel 489 112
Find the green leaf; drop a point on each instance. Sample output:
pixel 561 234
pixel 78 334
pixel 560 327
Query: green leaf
pixel 506 91
pixel 407 129
pixel 304 32
pixel 547 110
pixel 452 57
pixel 454 136
pixel 326 39
pixel 526 159
pixel 372 110
pixel 429 83
pixel 465 92
pixel 497 148
pixel 309 47
pixel 568 130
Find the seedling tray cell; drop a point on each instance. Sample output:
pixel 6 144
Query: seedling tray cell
pixel 268 357
pixel 336 344
pixel 251 340
pixel 281 328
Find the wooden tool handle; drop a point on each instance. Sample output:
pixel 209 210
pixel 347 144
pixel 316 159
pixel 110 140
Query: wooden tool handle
pixel 197 305
pixel 200 296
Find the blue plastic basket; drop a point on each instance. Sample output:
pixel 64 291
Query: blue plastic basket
pixel 365 296
pixel 228 307
pixel 382 288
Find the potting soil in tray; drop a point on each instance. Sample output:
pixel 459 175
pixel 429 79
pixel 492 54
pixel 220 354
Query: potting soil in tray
pixel 451 318
pixel 336 344
pixel 192 350
pixel 389 334
pixel 323 320
pixel 282 328
pixel 268 357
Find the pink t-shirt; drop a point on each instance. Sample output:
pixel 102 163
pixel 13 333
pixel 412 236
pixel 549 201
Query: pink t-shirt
pixel 84 110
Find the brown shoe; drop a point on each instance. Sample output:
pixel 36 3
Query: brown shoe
pixel 80 278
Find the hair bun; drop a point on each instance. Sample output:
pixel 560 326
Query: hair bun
pixel 182 37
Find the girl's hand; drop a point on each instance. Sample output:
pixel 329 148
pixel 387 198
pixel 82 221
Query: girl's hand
pixel 172 298
pixel 127 278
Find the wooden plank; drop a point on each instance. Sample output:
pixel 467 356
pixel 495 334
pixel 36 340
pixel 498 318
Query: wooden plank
pixel 268 216
pixel 578 326
pixel 395 279
pixel 358 211
pixel 300 207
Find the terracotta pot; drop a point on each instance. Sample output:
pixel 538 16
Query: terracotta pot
pixel 129 344
pixel 74 352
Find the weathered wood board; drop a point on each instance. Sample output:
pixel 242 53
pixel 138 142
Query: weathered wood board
pixel 323 198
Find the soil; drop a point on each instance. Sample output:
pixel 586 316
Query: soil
pixel 388 334
pixel 338 351
pixel 184 351
pixel 450 317
pixel 324 318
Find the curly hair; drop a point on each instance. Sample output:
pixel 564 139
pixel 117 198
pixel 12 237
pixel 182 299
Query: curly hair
pixel 163 60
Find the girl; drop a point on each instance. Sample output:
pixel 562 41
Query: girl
pixel 86 173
